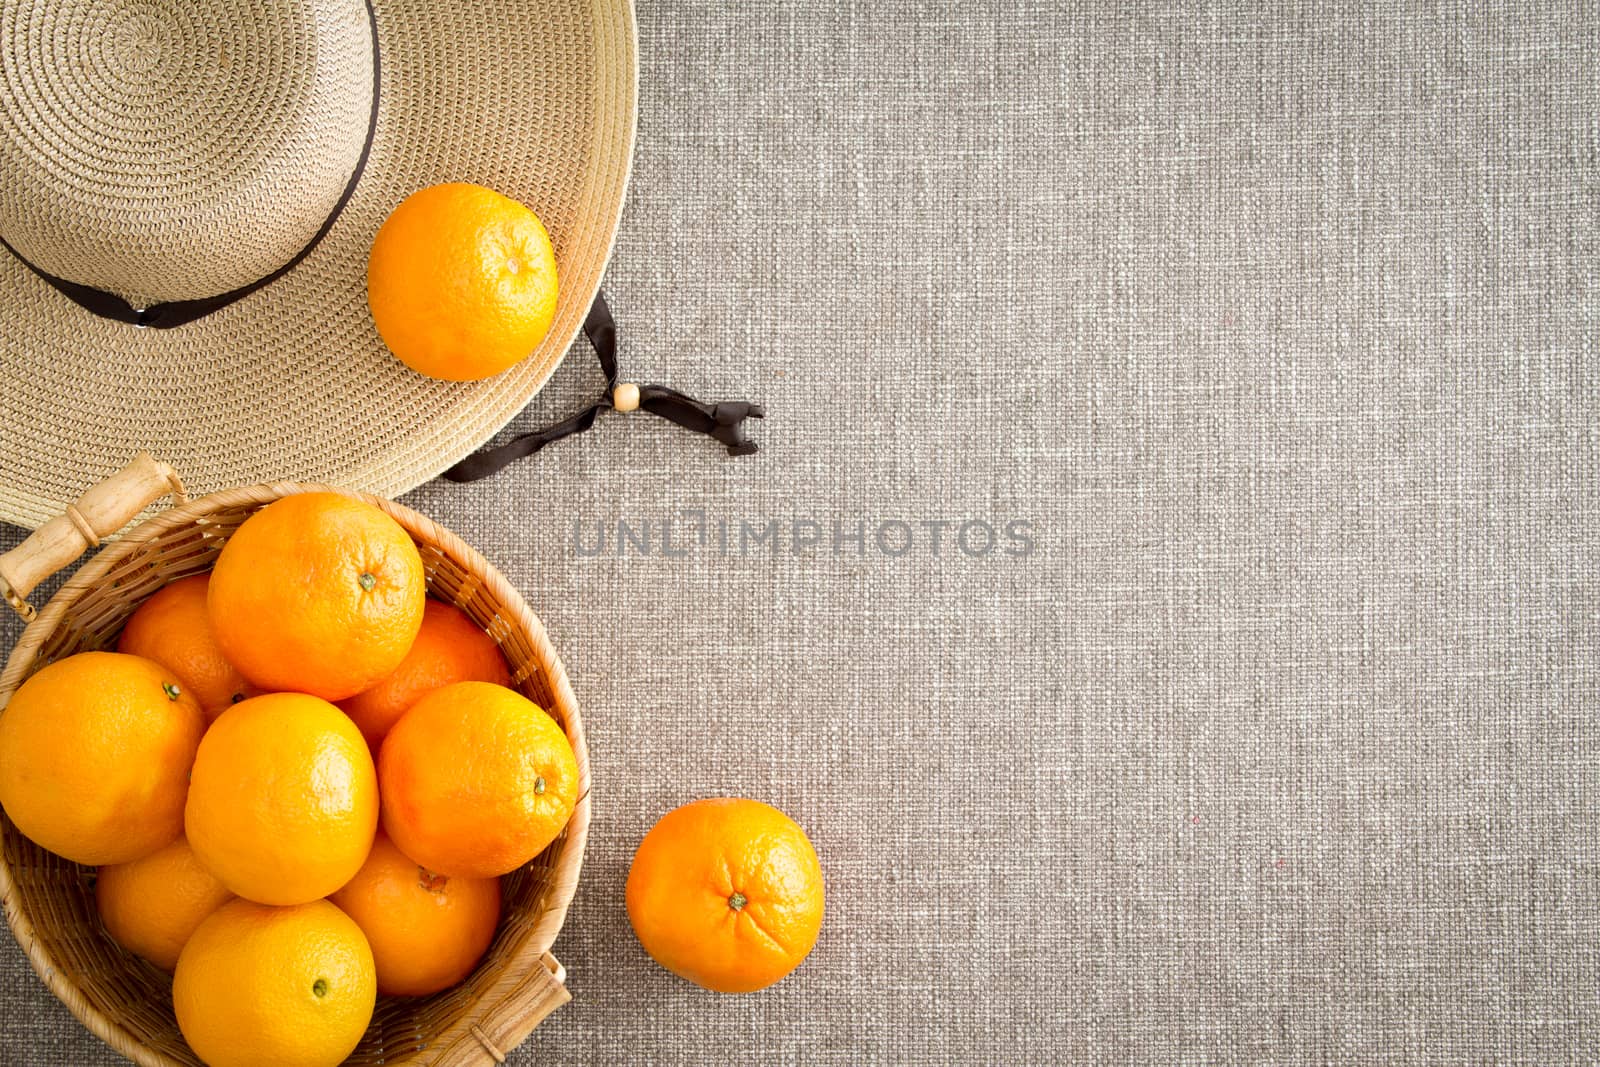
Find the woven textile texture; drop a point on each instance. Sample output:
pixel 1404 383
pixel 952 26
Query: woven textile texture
pixel 1276 327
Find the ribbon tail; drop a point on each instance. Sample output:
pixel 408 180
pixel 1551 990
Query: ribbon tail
pixel 723 421
pixel 601 330
pixel 490 460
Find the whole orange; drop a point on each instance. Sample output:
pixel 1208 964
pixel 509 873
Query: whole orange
pixel 173 629
pixel 274 987
pixel 317 593
pixel 461 282
pixel 450 647
pixel 283 803
pixel 427 930
pixel 726 893
pixel 151 906
pixel 95 752
pixel 476 780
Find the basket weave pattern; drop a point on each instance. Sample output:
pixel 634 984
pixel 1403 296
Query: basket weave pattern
pixel 49 901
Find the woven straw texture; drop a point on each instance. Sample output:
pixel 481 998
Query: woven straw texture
pixel 1279 322
pixel 531 97
pixel 50 903
pixel 231 127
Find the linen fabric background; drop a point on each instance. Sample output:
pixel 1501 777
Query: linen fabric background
pixel 1278 324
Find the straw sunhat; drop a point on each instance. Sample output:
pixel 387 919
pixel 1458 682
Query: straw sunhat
pixel 188 192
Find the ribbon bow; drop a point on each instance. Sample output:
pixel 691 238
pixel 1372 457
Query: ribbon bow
pixel 723 421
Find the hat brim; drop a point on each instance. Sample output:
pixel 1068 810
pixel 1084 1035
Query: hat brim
pixel 293 381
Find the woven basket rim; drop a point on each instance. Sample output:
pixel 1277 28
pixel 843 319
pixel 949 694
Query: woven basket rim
pixel 569 861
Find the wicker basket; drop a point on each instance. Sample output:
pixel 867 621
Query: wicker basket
pixel 49 901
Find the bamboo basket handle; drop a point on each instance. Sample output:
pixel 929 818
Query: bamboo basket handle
pixel 513 1019
pixel 100 512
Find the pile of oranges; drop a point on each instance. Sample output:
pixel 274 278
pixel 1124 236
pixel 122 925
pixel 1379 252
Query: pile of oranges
pixel 300 778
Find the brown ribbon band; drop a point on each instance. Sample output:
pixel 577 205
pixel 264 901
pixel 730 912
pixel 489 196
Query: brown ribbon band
pixel 165 316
